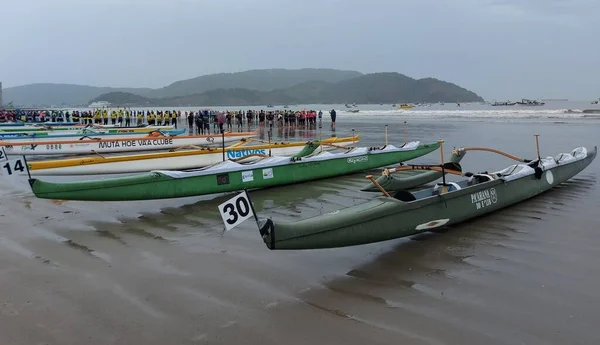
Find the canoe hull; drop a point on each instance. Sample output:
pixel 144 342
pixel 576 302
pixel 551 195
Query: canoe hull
pixel 141 143
pixel 388 218
pixel 200 160
pixel 7 139
pixel 228 177
pixel 74 129
pixel 179 160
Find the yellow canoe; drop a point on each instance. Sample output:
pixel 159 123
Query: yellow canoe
pixel 175 160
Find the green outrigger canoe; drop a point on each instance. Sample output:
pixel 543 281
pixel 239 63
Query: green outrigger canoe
pixel 229 176
pixel 404 213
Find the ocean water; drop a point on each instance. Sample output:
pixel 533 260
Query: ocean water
pixel 551 109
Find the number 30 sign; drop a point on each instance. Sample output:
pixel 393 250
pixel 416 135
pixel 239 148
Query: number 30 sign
pixel 236 210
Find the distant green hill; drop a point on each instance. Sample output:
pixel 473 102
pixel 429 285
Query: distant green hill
pixel 59 94
pixel 261 80
pixel 369 88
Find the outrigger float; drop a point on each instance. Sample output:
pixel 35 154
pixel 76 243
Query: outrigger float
pixel 91 145
pixel 229 176
pixel 178 159
pixel 402 213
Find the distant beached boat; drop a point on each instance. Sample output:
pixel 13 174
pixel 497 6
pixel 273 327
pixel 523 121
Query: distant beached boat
pixel 101 104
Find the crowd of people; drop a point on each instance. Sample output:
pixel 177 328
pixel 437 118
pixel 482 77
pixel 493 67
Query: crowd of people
pixel 238 120
pixel 199 121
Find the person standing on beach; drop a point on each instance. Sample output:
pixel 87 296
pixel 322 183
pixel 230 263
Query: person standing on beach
pixel 221 121
pixel 205 122
pixel 200 127
pixel 333 115
pixel 320 118
pixel 190 120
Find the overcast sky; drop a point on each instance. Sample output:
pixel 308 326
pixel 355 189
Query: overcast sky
pixel 498 48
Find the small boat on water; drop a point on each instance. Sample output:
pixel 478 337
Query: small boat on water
pixel 409 213
pixel 176 160
pixel 99 104
pixel 405 106
pixel 529 102
pixel 229 176
pixel 6 139
pixel 502 104
pixel 88 145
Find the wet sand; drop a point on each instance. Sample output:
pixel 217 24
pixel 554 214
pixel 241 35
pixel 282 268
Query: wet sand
pixel 163 272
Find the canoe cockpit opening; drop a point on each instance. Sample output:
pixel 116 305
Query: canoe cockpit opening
pixel 404 195
pixel 474 179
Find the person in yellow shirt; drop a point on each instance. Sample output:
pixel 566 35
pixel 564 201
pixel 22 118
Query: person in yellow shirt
pixel 139 117
pixel 120 117
pixel 159 117
pixel 127 118
pixel 105 117
pixel 175 118
pixel 151 117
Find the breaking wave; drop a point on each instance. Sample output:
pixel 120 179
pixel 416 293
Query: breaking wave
pixel 473 113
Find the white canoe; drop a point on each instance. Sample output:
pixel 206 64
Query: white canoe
pixel 180 160
pixel 75 129
pixel 8 140
pixel 144 142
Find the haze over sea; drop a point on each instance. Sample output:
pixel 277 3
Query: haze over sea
pixel 163 272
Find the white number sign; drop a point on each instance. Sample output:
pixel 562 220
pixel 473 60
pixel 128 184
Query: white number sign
pixel 13 167
pixel 236 210
pixel 3 156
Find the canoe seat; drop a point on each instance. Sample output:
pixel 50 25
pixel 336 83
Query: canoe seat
pixel 451 186
pixel 579 153
pixel 563 158
pixel 515 171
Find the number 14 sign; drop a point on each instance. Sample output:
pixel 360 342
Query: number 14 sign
pixel 236 210
pixel 13 167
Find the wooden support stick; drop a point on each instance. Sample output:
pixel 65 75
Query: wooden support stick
pixel 537 144
pixel 370 177
pixel 386 135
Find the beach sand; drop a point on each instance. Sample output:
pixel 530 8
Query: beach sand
pixel 164 272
